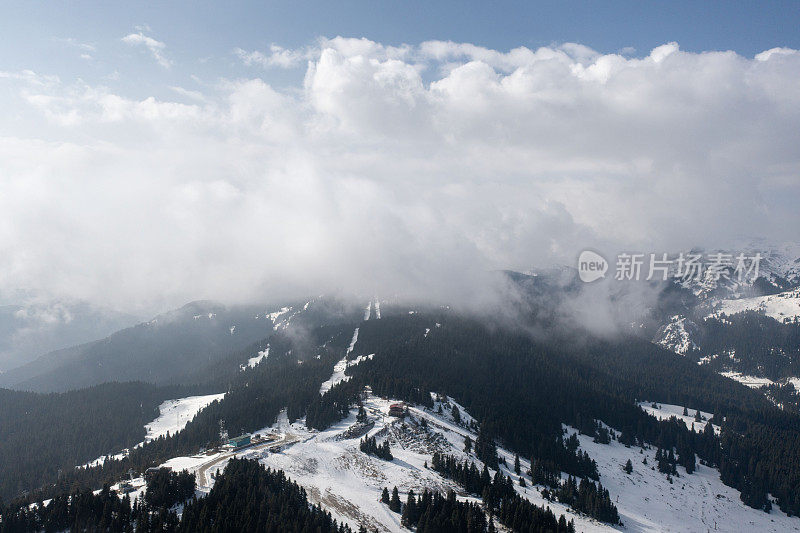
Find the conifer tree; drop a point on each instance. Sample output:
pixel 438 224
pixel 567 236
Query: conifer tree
pixel 456 414
pixel 394 503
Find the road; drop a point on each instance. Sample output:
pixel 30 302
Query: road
pixel 204 471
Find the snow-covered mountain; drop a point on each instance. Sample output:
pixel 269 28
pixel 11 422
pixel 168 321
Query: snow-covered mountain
pixel 778 271
pixel 679 335
pixel 347 482
pixel 35 327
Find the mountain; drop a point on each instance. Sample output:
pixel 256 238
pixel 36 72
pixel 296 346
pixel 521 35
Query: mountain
pixel 749 331
pixel 30 330
pixel 479 389
pixel 175 347
pixel 157 351
pixel 611 430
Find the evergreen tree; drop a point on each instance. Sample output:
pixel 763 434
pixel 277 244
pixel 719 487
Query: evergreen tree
pixel 456 414
pixel 394 503
pixel 410 517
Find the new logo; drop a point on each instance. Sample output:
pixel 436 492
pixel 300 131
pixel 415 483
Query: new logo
pixel 591 266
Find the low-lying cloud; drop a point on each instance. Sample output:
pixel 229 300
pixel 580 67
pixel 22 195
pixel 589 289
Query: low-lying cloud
pixel 394 170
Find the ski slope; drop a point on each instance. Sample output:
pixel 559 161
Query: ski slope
pixel 175 414
pixel 173 417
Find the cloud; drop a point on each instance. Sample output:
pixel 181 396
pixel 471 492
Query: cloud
pixel 393 170
pixel 85 49
pixel 277 57
pixel 193 95
pixel 30 77
pixel 156 48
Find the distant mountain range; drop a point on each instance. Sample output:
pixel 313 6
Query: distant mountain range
pixel 29 330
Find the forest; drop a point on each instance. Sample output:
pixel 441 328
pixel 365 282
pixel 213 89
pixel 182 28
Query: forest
pixel 245 497
pixel 521 389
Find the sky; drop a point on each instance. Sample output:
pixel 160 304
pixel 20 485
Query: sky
pixel 156 153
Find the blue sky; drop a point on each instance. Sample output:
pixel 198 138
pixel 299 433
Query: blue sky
pixel 201 35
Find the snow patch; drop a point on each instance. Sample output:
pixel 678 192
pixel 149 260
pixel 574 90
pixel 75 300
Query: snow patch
pixel 253 361
pixel 353 342
pixel 751 381
pixel 783 307
pixel 664 411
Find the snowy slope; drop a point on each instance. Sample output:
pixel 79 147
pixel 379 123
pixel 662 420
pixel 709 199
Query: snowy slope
pixel 696 502
pixel 253 361
pixel 678 335
pixel 339 369
pixel 665 411
pixel 348 482
pixel 173 417
pixel 175 414
pixel 783 307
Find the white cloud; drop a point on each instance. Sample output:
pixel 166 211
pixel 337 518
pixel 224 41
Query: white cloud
pixel 30 77
pixel 277 57
pixel 766 54
pixel 193 95
pixel 156 48
pixel 395 169
pixel 85 49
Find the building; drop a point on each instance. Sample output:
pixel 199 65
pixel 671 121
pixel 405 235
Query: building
pixel 238 442
pixel 397 409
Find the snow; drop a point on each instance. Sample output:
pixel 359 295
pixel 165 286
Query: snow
pixel 695 502
pixel 102 459
pixel 348 483
pixel 175 414
pixel 783 307
pixel 275 317
pixel 676 335
pixel 190 463
pixel 253 361
pixel 353 342
pixel 751 381
pixel 173 417
pixel 338 372
pixel 665 411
